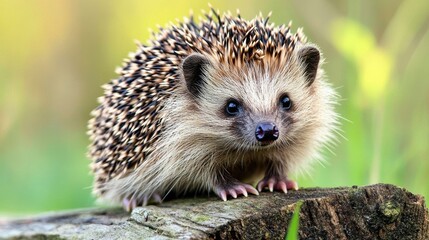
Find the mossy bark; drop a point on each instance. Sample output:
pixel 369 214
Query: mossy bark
pixel 373 212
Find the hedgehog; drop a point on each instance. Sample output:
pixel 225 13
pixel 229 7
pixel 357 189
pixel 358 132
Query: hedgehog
pixel 212 106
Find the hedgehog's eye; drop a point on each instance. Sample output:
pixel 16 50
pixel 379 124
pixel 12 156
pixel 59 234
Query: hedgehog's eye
pixel 232 108
pixel 285 102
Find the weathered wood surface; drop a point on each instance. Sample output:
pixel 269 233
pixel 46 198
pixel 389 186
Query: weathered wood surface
pixel 373 212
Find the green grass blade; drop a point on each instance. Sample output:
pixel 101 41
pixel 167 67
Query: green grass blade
pixel 292 231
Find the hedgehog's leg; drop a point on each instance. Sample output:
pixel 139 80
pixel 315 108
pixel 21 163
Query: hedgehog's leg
pixel 279 183
pixel 275 179
pixel 232 187
pixel 132 202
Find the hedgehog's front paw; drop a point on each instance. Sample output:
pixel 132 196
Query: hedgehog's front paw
pixel 235 189
pixel 130 203
pixel 277 183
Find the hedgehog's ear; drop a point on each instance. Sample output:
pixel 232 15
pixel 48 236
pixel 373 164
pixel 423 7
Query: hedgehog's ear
pixel 310 58
pixel 193 71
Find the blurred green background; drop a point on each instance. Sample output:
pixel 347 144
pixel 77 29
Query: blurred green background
pixel 55 55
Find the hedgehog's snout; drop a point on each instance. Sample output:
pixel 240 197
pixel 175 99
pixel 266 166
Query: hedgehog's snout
pixel 266 133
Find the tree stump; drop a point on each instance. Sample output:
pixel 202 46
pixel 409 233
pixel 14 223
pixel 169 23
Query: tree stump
pixel 373 212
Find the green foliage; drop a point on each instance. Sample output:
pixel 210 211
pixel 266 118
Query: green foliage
pixel 292 231
pixel 55 55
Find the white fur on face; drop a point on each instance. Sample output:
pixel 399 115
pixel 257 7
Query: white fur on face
pixel 258 88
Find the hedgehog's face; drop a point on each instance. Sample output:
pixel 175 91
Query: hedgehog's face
pixel 255 107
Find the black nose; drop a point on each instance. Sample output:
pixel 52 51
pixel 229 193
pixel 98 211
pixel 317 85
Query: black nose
pixel 266 132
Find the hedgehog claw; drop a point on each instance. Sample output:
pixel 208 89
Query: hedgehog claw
pixel 157 198
pixel 233 193
pixel 277 183
pixel 131 203
pixel 235 190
